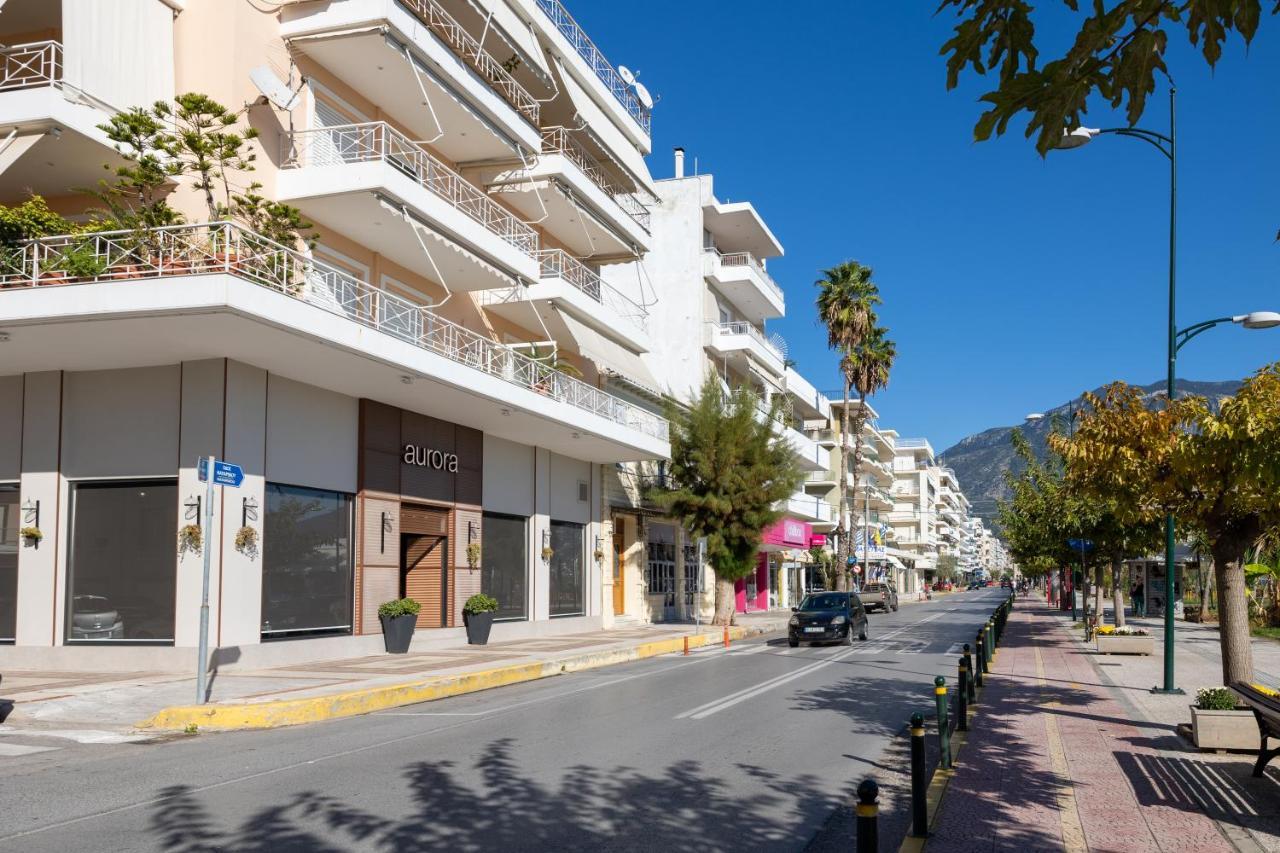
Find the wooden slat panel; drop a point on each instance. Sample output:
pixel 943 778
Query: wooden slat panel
pixel 467 528
pixel 428 520
pixel 379 584
pixel 424 577
pixel 380 547
pixel 466 584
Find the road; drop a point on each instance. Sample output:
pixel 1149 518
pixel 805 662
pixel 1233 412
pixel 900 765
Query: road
pixel 757 748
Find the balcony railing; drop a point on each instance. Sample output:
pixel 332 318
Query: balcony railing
pixel 741 328
pixel 378 141
pixel 587 49
pixel 225 247
pixel 746 259
pixel 560 140
pixel 28 65
pixel 469 50
pixel 556 263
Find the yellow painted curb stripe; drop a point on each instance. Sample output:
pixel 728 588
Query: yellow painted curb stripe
pixel 291 712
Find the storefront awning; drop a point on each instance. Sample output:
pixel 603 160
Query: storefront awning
pixel 609 357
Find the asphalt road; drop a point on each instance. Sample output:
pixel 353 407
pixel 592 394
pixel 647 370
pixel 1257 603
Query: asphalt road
pixel 758 748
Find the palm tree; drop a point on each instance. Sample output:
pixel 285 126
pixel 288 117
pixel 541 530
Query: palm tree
pixel 867 367
pixel 846 306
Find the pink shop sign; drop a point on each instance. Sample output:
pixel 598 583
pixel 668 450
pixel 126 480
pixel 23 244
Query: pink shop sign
pixel 789 532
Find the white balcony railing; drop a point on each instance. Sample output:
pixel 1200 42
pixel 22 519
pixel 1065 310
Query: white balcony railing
pixel 746 259
pixel 560 140
pixel 556 263
pixel 23 66
pixel 469 50
pixel 587 49
pixel 226 247
pixel 378 141
pixel 774 344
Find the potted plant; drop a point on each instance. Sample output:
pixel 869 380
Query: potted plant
pixel 399 617
pixel 190 539
pixel 477 613
pixel 1125 640
pixel 247 541
pixel 1218 721
pixel 31 536
pixel 473 555
pixel 547 553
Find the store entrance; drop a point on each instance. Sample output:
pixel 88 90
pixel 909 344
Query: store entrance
pixel 422 576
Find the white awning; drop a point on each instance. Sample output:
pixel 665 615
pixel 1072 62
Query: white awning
pixel 13 148
pixel 453 260
pixel 608 356
pixel 517 33
pixel 607 134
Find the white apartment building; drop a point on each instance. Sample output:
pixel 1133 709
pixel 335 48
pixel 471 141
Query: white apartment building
pixel 916 495
pixel 474 172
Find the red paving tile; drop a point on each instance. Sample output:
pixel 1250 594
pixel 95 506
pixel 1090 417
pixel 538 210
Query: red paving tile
pixel 1007 794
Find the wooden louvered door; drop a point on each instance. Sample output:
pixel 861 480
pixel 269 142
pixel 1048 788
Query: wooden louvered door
pixel 422 576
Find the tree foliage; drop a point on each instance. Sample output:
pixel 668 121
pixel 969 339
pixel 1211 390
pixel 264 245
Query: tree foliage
pixel 729 470
pixel 1116 54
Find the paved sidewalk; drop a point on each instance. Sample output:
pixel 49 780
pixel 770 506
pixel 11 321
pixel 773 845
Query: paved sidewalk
pixel 308 692
pixel 1062 758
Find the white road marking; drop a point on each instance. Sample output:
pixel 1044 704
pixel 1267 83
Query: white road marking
pixel 704 711
pixel 12 750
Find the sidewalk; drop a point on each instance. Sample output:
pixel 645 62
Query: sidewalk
pixel 1070 751
pixel 302 693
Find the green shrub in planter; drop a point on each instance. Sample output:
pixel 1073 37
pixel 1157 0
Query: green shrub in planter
pixel 399 619
pixel 398 607
pixel 477 613
pixel 480 603
pixel 1216 699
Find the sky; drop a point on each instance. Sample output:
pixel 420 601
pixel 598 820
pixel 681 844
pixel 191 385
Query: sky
pixel 1010 282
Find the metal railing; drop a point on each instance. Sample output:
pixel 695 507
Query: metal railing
pixel 741 328
pixel 378 141
pixel 556 263
pixel 23 66
pixel 587 49
pixel 468 49
pixel 560 140
pixel 810 507
pixel 226 247
pixel 746 259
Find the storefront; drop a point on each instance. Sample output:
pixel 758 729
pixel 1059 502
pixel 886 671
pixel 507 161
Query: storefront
pixel 752 593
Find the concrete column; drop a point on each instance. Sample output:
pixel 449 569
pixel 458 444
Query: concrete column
pixel 200 435
pixel 540 527
pixel 41 573
pixel 240 617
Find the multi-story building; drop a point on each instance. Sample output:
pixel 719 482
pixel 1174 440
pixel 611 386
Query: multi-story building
pixel 916 493
pixel 422 397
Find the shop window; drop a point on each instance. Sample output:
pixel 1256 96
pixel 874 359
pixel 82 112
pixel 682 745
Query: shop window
pixel 306 563
pixel 504 563
pixel 9 526
pixel 123 562
pixel 568 579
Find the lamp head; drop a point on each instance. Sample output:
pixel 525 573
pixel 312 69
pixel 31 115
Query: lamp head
pixel 1076 138
pixel 1258 319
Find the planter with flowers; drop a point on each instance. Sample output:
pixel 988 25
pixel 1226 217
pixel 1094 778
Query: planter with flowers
pixel 1125 640
pixel 1219 721
pixel 31 536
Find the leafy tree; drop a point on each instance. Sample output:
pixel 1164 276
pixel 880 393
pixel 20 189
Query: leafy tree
pixel 205 144
pixel 1218 473
pixel 846 302
pixel 136 198
pixel 729 470
pixel 948 566
pixel 1116 55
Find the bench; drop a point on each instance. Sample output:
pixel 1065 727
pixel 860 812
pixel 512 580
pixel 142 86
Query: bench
pixel 1266 710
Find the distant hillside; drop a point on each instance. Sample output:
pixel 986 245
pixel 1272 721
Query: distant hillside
pixel 980 460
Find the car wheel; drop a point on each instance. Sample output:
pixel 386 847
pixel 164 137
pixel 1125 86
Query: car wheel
pixel 848 637
pixel 895 608
pixel 863 635
pixel 793 643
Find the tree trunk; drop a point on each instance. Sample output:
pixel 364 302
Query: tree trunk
pixel 1233 613
pixel 1117 589
pixel 724 601
pixel 842 551
pixel 858 424
pixel 1098 583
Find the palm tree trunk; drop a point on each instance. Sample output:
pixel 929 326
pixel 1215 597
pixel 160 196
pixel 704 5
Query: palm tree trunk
pixel 859 423
pixel 1117 589
pixel 842 552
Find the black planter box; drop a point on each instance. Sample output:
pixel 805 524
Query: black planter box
pixel 478 625
pixel 397 632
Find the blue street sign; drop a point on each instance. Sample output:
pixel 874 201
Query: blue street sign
pixel 1080 544
pixel 224 473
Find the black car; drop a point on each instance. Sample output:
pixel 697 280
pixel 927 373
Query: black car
pixel 827 616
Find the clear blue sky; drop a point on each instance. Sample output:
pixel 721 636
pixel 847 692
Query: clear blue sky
pixel 1010 282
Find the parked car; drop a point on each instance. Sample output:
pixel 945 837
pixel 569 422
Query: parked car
pixel 1006 584
pixel 880 595
pixel 975 585
pixel 93 618
pixel 827 616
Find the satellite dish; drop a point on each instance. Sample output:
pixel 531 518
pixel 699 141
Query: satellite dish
pixel 271 87
pixel 627 77
pixel 642 95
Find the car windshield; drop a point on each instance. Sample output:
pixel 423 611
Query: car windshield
pixel 825 601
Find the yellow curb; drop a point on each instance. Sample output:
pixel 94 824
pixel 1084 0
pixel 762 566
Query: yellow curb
pixel 292 712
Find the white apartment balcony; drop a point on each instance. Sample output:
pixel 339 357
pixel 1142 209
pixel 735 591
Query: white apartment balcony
pixel 811 455
pixel 567 285
pixel 576 197
pixel 743 281
pixel 744 344
pixel 809 402
pixel 417 63
pixel 370 183
pixel 809 508
pixel 821 480
pixel 50 140
pixel 193 292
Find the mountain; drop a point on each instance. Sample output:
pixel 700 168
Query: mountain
pixel 980 460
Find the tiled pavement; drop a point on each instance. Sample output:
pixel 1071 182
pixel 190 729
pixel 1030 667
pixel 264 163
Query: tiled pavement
pixel 1056 761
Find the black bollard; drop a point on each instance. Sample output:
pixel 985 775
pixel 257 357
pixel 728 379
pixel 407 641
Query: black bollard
pixel 868 811
pixel 968 664
pixel 919 784
pixel 944 724
pixel 984 662
pixel 962 698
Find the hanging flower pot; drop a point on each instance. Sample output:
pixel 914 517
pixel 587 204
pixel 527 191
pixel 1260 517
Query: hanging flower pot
pixel 31 536
pixel 546 554
pixel 247 541
pixel 190 539
pixel 473 554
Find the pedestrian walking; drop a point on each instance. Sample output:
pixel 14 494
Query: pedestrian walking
pixel 1139 599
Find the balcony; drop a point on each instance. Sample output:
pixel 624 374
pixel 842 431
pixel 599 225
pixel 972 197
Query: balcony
pixel 821 479
pixel 589 207
pixel 371 183
pixel 743 281
pixel 604 72
pixel 566 284
pixel 52 141
pixel 201 291
pixel 417 63
pixel 826 437
pixel 809 403
pixel 744 343
pixel 809 507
